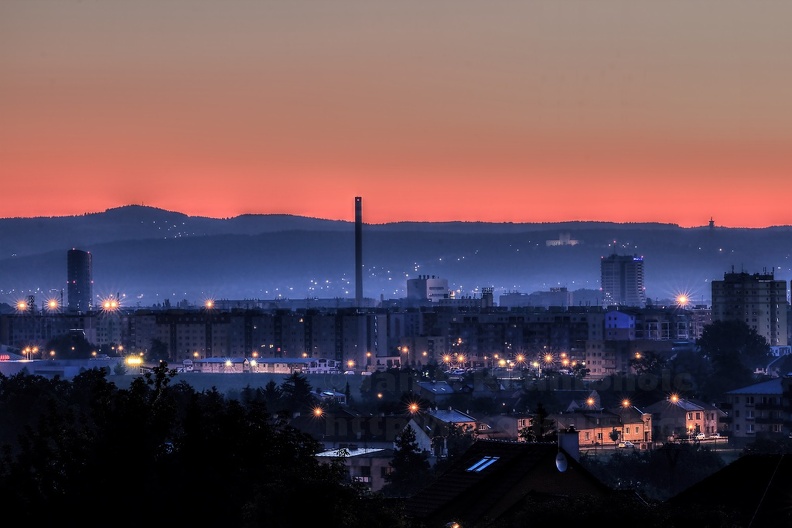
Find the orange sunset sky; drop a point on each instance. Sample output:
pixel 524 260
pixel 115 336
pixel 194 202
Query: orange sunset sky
pixel 504 111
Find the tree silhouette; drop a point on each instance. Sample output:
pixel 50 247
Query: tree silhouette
pixel 409 467
pixel 66 446
pixel 734 350
pixel 297 394
pixel 72 345
pixel 158 350
pixel 541 427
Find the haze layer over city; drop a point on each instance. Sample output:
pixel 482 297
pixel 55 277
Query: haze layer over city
pixel 145 256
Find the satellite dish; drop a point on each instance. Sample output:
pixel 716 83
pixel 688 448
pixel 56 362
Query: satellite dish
pixel 561 462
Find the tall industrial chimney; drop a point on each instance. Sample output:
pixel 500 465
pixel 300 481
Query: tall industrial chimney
pixel 358 251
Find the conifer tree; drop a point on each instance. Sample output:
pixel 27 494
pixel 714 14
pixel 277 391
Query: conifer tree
pixel 409 467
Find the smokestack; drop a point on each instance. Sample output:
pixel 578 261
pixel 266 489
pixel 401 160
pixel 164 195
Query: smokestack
pixel 358 251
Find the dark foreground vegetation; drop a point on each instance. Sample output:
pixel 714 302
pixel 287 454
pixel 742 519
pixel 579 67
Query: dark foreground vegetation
pixel 87 452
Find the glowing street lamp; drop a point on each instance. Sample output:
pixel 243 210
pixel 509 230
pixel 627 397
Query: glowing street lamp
pixel 406 350
pixel 413 408
pixel 27 351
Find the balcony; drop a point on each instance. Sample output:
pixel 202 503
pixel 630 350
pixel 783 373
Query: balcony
pixel 776 420
pixel 769 407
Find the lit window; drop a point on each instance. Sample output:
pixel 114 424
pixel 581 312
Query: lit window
pixel 483 463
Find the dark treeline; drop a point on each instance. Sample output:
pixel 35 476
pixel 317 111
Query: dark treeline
pixel 85 451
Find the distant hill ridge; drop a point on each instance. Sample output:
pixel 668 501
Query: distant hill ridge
pixel 152 253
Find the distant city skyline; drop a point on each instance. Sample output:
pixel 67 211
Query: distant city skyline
pixel 541 111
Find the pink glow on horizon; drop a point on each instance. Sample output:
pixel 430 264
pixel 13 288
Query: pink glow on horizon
pixel 538 112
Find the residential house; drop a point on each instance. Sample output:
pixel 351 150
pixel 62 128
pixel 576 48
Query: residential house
pixel 366 465
pixel 594 427
pixel 504 426
pixel 677 418
pixel 571 400
pixel 636 425
pixel 345 427
pixel 492 478
pixel 433 427
pixel 436 392
pixel 754 490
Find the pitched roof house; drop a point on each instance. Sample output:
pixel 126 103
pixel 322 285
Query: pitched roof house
pixel 492 477
pixel 754 490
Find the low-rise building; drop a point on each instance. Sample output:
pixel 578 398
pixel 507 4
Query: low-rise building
pixel 366 465
pixel 677 418
pixel 607 427
pixel 759 410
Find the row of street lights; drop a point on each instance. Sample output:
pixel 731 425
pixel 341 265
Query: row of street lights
pixel 30 351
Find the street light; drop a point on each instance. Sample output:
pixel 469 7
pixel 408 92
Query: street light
pixel 519 359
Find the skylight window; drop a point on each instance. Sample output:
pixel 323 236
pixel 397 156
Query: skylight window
pixel 483 463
